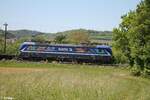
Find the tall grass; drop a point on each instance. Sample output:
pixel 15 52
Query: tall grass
pixel 38 81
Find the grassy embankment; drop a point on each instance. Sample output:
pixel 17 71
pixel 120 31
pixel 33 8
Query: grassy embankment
pixel 39 81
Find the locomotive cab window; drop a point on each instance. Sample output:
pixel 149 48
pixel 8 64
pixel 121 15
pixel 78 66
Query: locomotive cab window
pixel 31 48
pixel 101 51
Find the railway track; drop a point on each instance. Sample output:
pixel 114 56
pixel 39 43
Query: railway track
pixel 10 57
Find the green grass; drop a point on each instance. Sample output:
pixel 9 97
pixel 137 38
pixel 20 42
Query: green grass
pixel 40 81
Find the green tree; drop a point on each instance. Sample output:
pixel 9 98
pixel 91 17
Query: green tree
pixel 13 48
pixel 60 38
pixel 78 37
pixel 1 45
pixel 38 38
pixel 132 37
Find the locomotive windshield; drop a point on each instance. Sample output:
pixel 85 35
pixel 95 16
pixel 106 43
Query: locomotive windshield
pixel 101 51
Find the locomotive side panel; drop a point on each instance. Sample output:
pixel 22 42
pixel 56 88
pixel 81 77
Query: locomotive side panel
pixel 79 53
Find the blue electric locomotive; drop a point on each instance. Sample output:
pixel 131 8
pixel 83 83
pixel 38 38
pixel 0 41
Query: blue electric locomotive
pixel 98 54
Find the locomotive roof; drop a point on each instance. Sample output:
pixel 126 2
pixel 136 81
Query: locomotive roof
pixel 34 43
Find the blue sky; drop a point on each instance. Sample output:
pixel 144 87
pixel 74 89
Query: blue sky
pixel 60 15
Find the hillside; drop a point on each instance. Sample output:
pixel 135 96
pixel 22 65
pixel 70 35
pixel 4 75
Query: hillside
pixel 94 35
pixel 8 36
pixel 25 33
